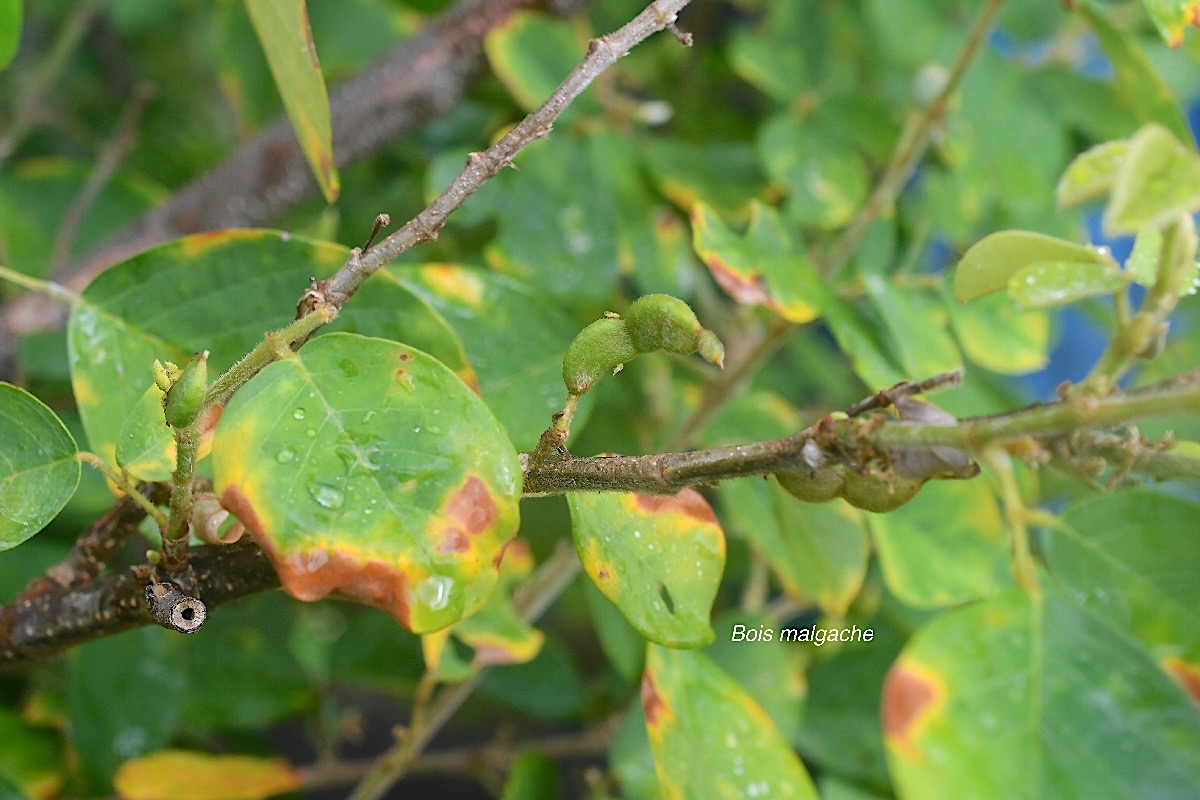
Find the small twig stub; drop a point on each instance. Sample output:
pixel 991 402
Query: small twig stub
pixel 173 609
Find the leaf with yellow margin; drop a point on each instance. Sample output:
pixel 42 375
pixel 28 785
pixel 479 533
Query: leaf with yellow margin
pixel 365 468
pixel 710 739
pixel 1027 695
pixel 658 559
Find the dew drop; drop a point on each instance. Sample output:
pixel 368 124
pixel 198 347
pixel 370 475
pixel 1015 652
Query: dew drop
pixel 326 495
pixel 285 455
pixel 637 534
pixel 434 592
pixel 298 413
pixel 416 429
pixel 311 433
pixel 367 417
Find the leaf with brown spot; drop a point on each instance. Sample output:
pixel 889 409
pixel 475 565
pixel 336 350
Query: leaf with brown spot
pixel 763 266
pixel 658 559
pixel 710 739
pixel 1028 695
pixel 397 493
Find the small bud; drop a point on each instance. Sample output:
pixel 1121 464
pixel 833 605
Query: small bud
pixel 710 347
pixel 662 322
pixel 183 403
pixel 153 557
pixel 161 378
pixel 598 349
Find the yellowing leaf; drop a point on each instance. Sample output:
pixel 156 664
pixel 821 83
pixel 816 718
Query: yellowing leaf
pixel 658 559
pixel 710 740
pixel 763 266
pixel 282 28
pixel 365 468
pixel 185 775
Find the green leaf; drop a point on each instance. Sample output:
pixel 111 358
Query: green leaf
pixel 997 335
pixel 818 551
pixel 341 463
pixel 658 559
pixel 240 674
pixel 1159 180
pixel 917 326
pixel 531 54
pixel 763 266
pixel 1056 283
pixel 861 337
pixel 32 758
pixel 551 235
pixel 773 675
pixel 1026 695
pixel 497 633
pixel 710 740
pixel 514 336
pixel 283 29
pixel 1142 265
pixel 1172 16
pixel 770 63
pixel 38 468
pixel 1121 556
pixel 824 179
pixel 630 759
pixel 840 731
pixel 944 547
pixel 219 292
pixel 723 174
pixel 548 686
pixel 124 699
pixel 146 446
pixel 10 788
pixel 989 265
pixel 1091 173
pixel 1139 86
pixel 10 30
pixel 624 646
pixel 531 777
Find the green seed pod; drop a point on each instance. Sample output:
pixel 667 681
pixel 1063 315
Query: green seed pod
pixel 876 493
pixel 814 485
pixel 182 404
pixel 662 322
pixel 599 348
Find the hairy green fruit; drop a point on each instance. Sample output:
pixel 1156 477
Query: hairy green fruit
pixel 876 493
pixel 662 322
pixel 814 485
pixel 599 348
pixel 183 403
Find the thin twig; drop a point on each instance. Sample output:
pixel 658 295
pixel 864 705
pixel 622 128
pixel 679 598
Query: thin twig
pixel 914 141
pixel 114 150
pixel 538 593
pixel 602 53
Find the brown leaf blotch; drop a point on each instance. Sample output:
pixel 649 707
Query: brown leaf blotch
pixel 652 702
pixel 236 503
pixel 454 541
pixel 748 290
pixel 472 507
pixel 907 696
pixel 1185 674
pixel 688 502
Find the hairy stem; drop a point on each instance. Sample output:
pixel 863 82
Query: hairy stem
pixel 127 486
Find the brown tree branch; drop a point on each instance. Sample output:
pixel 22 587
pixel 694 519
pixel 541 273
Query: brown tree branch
pixel 602 53
pixel 419 79
pixel 41 627
pixel 42 624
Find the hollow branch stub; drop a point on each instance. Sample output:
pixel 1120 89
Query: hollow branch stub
pixel 173 609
